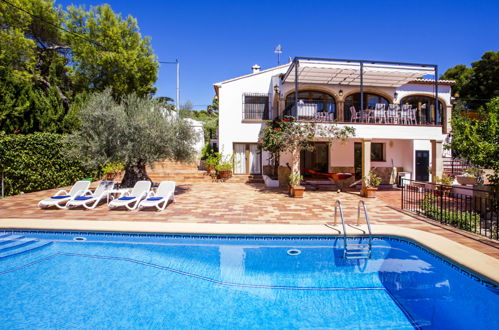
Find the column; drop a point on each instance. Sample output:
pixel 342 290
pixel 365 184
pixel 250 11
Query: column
pixel 340 111
pixel 446 116
pixel 366 163
pixel 437 167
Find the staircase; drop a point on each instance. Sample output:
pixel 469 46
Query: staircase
pixel 453 167
pixel 169 170
pixel 15 244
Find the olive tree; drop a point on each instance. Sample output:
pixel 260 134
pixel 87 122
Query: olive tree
pixel 137 131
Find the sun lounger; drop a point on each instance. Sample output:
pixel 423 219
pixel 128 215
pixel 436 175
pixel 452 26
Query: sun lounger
pixel 132 200
pixel 160 199
pixel 90 200
pixel 62 196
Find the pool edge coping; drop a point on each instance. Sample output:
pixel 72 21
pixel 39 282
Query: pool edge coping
pixel 472 260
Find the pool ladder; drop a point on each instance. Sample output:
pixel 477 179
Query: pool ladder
pixel 354 251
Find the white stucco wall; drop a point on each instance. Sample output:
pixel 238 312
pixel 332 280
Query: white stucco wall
pixel 231 126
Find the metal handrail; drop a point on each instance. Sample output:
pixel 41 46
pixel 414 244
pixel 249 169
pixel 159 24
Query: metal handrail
pixel 337 205
pixel 366 216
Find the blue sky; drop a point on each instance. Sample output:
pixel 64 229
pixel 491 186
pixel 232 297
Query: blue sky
pixel 218 40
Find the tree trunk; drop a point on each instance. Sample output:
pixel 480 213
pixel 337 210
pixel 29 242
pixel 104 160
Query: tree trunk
pixel 133 173
pixel 295 164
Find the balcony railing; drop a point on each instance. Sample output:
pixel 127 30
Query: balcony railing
pixel 391 115
pixel 312 112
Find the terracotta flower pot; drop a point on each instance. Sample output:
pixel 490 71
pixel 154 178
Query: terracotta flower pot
pixel 297 191
pixel 224 174
pixel 370 192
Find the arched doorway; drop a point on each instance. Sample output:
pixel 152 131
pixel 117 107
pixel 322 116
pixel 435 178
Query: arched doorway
pixel 321 101
pixel 426 114
pixel 370 100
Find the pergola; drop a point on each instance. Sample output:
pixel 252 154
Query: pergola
pixel 356 73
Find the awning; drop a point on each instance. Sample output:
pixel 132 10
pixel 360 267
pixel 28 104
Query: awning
pixel 349 73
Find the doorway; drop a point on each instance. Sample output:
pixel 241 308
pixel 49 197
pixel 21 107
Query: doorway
pixel 316 160
pixel 422 164
pixel 247 158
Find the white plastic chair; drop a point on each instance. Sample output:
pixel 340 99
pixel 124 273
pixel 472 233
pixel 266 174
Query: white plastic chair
pixel 354 115
pixel 405 113
pixel 90 200
pixel 131 200
pixel 379 113
pixel 160 199
pixel 62 196
pixel 392 115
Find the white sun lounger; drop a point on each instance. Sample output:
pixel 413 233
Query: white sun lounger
pixel 90 200
pixel 132 200
pixel 62 196
pixel 160 199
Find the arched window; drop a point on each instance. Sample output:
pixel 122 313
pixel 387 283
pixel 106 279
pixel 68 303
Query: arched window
pixel 426 109
pixel 321 100
pixel 370 101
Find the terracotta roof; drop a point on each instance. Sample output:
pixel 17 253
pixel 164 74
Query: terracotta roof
pixel 432 81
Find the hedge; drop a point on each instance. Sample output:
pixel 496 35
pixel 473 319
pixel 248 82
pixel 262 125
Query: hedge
pixel 36 162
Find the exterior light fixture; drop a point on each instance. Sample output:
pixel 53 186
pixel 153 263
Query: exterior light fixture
pixel 340 93
pixel 276 89
pixel 395 95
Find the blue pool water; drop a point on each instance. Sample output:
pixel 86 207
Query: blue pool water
pixel 161 281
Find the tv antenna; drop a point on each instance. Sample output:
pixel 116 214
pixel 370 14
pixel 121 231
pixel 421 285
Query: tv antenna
pixel 278 51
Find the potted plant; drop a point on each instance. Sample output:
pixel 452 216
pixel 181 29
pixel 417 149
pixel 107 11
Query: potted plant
pixel 224 167
pixel 469 177
pixel 211 162
pixel 111 170
pixel 444 184
pixel 294 182
pixel 371 182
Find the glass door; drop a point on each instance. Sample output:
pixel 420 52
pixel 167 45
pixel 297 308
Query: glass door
pixel 247 159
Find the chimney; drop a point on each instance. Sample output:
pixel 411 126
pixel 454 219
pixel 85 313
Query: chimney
pixel 255 68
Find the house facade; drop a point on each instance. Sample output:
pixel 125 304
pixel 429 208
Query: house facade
pixel 401 119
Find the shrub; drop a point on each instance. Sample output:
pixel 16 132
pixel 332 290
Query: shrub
pixel 36 162
pixel 461 219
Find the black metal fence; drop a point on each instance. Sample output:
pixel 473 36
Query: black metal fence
pixel 470 209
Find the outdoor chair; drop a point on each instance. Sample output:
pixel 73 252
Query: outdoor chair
pixel 131 200
pixel 90 200
pixel 354 115
pixel 392 115
pixel 62 196
pixel 160 199
pixel 379 113
pixel 405 113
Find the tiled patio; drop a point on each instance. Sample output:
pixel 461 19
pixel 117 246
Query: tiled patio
pixel 247 204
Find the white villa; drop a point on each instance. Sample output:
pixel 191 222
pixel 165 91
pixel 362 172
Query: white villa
pixel 392 107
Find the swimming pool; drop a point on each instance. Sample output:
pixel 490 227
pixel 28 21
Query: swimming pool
pixel 104 280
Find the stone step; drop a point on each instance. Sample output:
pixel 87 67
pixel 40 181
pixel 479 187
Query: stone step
pixel 15 244
pixel 9 238
pixel 25 248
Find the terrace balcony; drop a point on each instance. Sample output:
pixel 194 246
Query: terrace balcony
pixel 359 92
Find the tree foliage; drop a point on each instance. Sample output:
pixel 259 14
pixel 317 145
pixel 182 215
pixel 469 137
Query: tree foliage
pixel 478 140
pixel 135 131
pixel 479 84
pixel 44 69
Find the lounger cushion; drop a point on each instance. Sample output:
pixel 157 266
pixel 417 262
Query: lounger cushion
pixel 83 198
pixel 60 197
pixel 126 198
pixel 155 198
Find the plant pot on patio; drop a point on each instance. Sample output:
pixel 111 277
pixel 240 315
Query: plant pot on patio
pixel 224 174
pixel 297 191
pixel 370 192
pixel 466 180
